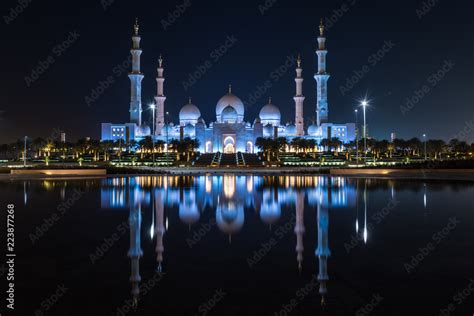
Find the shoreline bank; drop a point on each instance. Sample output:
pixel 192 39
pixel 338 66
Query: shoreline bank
pixel 388 173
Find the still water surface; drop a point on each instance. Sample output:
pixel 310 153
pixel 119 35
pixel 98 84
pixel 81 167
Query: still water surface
pixel 243 245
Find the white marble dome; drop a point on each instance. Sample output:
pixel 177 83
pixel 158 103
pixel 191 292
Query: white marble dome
pixel 144 130
pixel 189 114
pixel 270 114
pixel 313 130
pixel 290 130
pixel 233 101
pixel 189 130
pixel 268 131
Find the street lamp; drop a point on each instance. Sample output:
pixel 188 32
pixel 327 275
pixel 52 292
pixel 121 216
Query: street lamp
pixel 153 107
pixel 364 104
pixel 357 136
pixel 424 143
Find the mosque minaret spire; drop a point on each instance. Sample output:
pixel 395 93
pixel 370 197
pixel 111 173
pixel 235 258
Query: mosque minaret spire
pixel 321 78
pixel 160 99
pixel 299 98
pixel 136 78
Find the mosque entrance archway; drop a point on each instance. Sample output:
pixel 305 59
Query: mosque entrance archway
pixel 229 145
pixel 229 149
pixel 209 147
pixel 249 148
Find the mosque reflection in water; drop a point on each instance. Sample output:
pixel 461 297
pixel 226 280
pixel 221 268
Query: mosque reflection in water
pixel 229 195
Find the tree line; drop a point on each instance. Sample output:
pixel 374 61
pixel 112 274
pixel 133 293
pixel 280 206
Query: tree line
pixel 43 149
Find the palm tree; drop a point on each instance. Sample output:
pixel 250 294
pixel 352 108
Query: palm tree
pixel 106 146
pixel 335 143
pixel 400 145
pixel 279 145
pixel 414 144
pixel 435 147
pixel 296 143
pixel 380 147
pixel 308 145
pixel 390 149
pixel 160 145
pixel 119 145
pixel 94 148
pixel 38 144
pixel 132 146
pixel 265 145
pixel 325 143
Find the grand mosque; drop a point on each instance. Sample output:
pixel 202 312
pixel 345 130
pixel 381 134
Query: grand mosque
pixel 229 132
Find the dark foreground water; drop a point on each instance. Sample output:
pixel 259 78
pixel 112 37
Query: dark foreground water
pixel 241 245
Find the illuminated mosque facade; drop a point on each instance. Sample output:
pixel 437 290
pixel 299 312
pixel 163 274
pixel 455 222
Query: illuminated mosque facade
pixel 229 132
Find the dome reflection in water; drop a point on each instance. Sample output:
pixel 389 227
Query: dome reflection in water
pixel 228 195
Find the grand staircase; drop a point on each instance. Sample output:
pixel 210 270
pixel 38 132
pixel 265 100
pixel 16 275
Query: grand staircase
pixel 204 160
pixel 228 160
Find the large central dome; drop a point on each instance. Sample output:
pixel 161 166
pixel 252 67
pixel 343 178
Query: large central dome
pixel 233 101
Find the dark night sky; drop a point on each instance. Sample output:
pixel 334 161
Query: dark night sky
pixel 57 98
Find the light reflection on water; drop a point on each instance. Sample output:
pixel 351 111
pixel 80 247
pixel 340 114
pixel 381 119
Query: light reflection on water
pixel 322 214
pixel 228 195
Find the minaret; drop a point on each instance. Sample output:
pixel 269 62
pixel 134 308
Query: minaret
pixel 323 252
pixel 299 98
pixel 160 99
pixel 136 78
pixel 299 228
pixel 321 78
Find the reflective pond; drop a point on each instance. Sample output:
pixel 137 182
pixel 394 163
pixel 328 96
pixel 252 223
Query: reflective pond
pixel 242 245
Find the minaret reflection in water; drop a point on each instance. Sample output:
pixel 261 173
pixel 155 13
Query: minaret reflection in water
pixel 299 228
pixel 229 196
pixel 135 252
pixel 322 250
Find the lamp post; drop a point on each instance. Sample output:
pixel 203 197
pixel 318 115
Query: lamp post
pixel 357 137
pixel 153 107
pixel 424 144
pixel 364 104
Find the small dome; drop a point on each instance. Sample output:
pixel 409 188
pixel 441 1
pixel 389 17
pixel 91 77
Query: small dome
pixel 229 115
pixel 270 114
pixel 189 114
pixel 290 130
pixel 201 121
pixel 144 130
pixel 313 130
pixel 168 129
pixel 189 130
pixel 257 121
pixel 268 130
